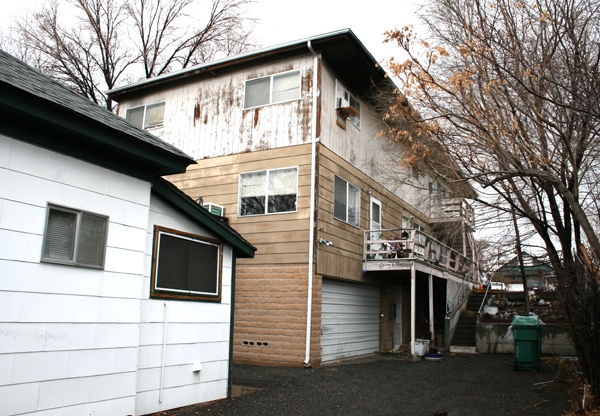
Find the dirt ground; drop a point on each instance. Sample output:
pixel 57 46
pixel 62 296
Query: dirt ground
pixel 478 384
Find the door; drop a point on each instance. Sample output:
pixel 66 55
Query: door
pixel 398 319
pixel 375 223
pixel 349 320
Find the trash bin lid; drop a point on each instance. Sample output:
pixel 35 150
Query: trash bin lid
pixel 526 320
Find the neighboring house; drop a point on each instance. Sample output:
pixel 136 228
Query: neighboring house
pixel 539 274
pixel 116 289
pixel 354 252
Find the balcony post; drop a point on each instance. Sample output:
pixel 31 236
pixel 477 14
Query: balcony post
pixel 413 316
pixel 431 327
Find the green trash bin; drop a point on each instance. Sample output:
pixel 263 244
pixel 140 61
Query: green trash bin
pixel 528 345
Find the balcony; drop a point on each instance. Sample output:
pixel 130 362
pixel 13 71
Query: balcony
pixel 399 248
pixel 446 209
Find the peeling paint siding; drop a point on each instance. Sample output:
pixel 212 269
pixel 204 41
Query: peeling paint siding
pixel 206 119
pixel 377 158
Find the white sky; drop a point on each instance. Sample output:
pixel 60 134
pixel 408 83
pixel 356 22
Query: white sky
pixel 282 21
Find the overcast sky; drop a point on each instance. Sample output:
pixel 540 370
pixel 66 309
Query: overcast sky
pixel 286 20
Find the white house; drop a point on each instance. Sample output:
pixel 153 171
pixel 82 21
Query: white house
pixel 116 289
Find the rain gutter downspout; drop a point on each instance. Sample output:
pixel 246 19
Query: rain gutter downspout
pixel 313 169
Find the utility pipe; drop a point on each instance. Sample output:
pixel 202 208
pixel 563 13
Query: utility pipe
pixel 162 364
pixel 313 173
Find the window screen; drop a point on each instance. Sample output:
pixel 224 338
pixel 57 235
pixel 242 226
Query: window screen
pixel 75 237
pixel 136 116
pixel 185 266
pixel 257 92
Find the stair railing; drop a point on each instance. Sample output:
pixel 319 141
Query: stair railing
pixel 452 306
pixel 487 289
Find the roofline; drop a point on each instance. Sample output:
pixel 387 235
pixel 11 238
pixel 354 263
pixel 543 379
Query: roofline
pixel 186 205
pixel 231 60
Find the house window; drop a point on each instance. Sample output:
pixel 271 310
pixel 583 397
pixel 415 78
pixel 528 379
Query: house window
pixel 346 205
pixel 147 116
pixel 273 89
pixel 347 104
pixel 268 191
pixel 75 237
pixel 185 266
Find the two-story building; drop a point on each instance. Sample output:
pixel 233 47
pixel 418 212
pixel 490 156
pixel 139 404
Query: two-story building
pixel 355 253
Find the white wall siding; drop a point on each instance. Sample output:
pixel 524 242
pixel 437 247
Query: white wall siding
pixel 207 119
pixel 195 331
pixel 377 158
pixel 68 335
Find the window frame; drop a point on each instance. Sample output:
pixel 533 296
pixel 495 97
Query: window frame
pixel 160 292
pixel 75 261
pixel 267 173
pixel 145 107
pixel 355 121
pixel 271 81
pixel 358 208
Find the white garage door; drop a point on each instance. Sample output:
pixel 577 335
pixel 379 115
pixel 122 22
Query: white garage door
pixel 349 320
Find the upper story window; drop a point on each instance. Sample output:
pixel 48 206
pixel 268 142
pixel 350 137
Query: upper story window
pixel 185 266
pixel 147 116
pixel 268 191
pixel 75 237
pixel 273 89
pixel 347 105
pixel 346 205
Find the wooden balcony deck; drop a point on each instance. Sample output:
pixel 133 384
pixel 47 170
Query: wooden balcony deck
pixel 398 249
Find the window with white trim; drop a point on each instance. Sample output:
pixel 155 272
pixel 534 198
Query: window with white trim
pixel 185 266
pixel 74 237
pixel 272 89
pixel 347 104
pixel 346 206
pixel 147 116
pixel 268 191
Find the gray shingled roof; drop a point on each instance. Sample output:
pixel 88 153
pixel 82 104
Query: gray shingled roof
pixel 19 75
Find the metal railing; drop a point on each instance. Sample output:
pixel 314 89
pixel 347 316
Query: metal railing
pixel 410 243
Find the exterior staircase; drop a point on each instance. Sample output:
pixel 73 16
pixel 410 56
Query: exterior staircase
pixel 464 339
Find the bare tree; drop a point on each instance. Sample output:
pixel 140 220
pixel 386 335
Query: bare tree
pixel 112 42
pixel 505 96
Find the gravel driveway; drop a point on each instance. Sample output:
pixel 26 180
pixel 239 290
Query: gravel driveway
pixel 389 385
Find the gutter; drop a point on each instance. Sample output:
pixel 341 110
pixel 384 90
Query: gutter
pixel 313 170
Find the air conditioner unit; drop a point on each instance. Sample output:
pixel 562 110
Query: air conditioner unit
pixel 215 209
pixel 344 108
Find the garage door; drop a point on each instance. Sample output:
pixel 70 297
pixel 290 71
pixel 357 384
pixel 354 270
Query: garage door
pixel 349 320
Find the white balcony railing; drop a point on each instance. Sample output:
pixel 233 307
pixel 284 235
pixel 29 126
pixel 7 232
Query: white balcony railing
pixel 411 244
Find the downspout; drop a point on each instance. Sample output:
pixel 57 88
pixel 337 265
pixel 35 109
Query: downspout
pixel 231 324
pixel 313 172
pixel 164 349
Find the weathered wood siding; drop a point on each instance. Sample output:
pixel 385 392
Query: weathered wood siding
pixel 375 157
pixel 206 118
pixel 343 259
pixel 279 238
